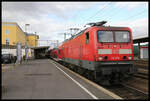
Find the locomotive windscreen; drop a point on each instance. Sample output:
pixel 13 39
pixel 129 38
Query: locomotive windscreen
pixel 113 36
pixel 105 36
pixel 122 36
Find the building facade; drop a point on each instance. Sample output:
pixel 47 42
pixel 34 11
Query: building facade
pixel 12 34
pixel 32 40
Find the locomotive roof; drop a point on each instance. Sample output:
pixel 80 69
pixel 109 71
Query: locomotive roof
pixel 82 31
pixel 111 27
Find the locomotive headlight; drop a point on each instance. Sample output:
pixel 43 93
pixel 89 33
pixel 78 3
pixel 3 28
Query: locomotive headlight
pixel 129 57
pixel 100 58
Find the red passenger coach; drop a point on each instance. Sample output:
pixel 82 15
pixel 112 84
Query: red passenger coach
pixel 54 53
pixel 103 52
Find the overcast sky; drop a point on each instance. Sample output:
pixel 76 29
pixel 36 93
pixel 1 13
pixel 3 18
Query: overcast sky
pixel 50 19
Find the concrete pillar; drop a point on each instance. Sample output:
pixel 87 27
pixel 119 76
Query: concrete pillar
pixel 19 53
pixel 26 52
pixel 139 50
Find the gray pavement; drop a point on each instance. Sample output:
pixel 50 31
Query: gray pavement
pixel 40 79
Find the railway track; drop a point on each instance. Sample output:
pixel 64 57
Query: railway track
pixel 141 61
pixel 134 88
pixel 141 75
pixel 141 64
pixel 128 86
pixel 127 92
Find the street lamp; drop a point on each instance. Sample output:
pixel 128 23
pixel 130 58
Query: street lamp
pixel 26 27
pixel 35 38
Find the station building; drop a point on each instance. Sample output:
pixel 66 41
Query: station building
pixel 13 34
pixel 32 39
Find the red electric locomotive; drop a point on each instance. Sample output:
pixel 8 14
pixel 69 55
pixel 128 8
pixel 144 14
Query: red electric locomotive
pixel 104 53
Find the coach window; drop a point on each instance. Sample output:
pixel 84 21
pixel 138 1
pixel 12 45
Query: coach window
pixel 87 37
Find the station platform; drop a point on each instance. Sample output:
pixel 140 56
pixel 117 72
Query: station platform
pixel 46 79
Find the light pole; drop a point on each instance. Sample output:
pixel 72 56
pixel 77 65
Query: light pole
pixel 35 38
pixel 26 27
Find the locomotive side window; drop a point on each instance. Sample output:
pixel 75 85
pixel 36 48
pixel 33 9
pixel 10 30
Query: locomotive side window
pixel 122 36
pixel 105 36
pixel 87 37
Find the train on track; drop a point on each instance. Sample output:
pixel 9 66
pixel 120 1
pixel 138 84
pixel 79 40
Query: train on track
pixel 102 53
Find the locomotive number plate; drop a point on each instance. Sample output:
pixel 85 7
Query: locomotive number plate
pixel 115 58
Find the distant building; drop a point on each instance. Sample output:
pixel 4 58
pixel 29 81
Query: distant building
pixel 32 40
pixel 12 34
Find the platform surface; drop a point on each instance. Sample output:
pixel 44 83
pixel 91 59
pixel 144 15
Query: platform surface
pixel 41 79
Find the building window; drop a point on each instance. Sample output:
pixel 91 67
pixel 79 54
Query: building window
pixel 6 31
pixel 7 41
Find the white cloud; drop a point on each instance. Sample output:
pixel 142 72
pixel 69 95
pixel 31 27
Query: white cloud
pixel 37 15
pixel 38 9
pixel 139 27
pixel 131 5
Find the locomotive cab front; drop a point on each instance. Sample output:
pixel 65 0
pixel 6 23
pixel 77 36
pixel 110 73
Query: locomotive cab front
pixel 114 51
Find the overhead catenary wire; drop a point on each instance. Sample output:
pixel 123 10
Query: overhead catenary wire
pixel 104 14
pixel 98 11
pixel 105 6
pixel 132 16
pixel 115 14
pixel 111 13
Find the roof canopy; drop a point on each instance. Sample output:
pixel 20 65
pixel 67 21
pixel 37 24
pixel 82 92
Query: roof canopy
pixel 140 40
